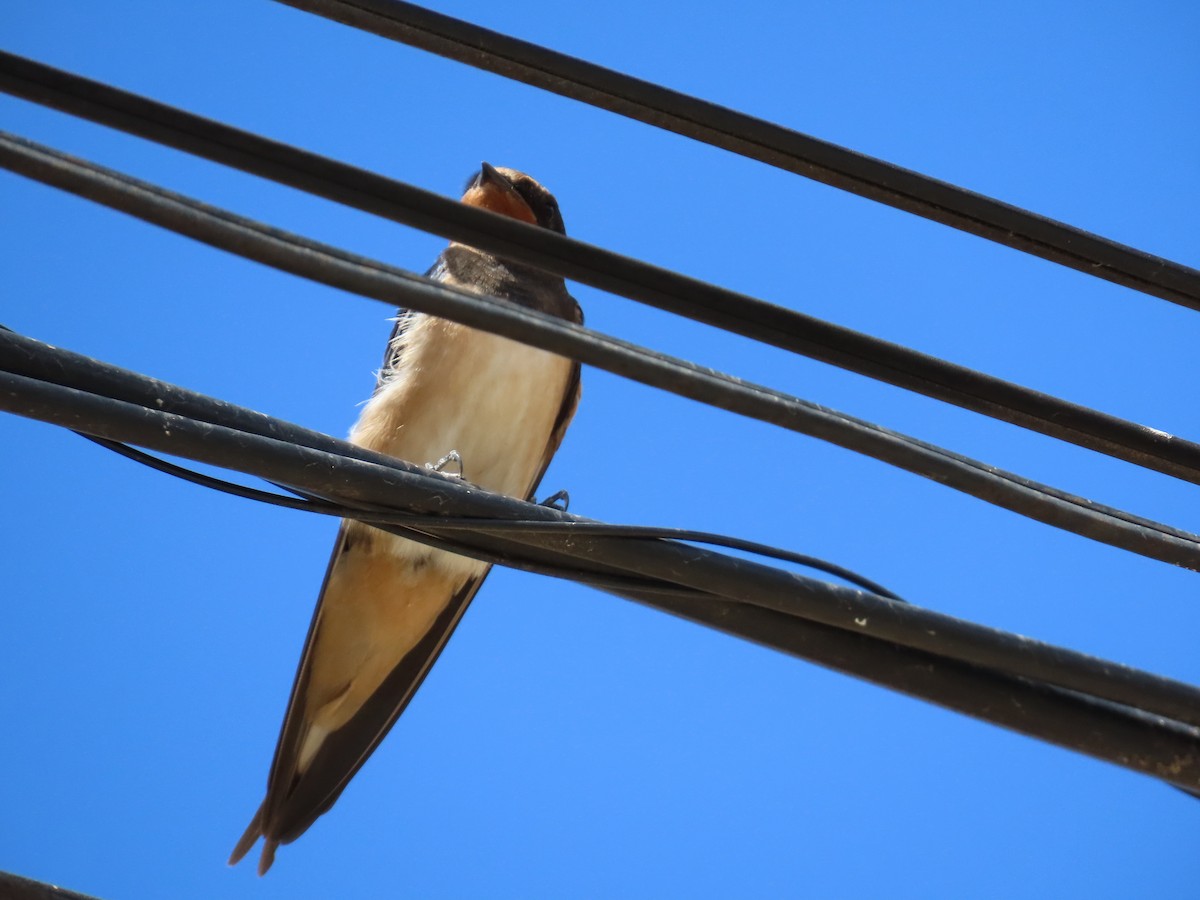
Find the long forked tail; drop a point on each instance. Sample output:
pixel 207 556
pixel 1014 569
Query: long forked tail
pixel 253 831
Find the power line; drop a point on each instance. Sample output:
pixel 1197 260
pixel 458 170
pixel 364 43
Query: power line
pixel 767 142
pixel 671 291
pixel 14 887
pixel 1137 720
pixel 371 278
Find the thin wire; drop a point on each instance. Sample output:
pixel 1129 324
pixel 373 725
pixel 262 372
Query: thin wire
pixel 719 307
pixel 371 278
pixel 424 528
pixel 766 142
pixel 438 524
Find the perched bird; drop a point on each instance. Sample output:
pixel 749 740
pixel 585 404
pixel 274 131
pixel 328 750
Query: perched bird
pixel 388 605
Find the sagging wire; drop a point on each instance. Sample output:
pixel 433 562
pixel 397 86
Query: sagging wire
pixel 437 524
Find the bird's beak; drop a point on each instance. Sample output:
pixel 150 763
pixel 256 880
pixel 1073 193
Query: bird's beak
pixel 493 191
pixel 488 172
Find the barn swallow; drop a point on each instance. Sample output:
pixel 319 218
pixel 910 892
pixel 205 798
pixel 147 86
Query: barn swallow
pixel 388 605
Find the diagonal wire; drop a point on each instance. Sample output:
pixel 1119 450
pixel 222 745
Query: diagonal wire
pixel 747 316
pixel 371 278
pixel 766 142
pixel 16 887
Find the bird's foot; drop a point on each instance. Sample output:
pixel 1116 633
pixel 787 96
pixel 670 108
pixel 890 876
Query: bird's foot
pixel 451 458
pixel 559 500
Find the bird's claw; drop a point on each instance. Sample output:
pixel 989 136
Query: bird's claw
pixel 559 500
pixel 440 465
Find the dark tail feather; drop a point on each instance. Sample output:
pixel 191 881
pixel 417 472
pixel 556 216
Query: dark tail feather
pixel 248 839
pixel 268 856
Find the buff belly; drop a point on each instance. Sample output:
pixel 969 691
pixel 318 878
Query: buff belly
pixel 494 401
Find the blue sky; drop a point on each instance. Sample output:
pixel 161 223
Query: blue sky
pixel 568 743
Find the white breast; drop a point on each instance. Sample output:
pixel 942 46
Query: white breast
pixel 493 400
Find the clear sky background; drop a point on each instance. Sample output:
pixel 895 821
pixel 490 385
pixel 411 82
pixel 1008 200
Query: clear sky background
pixel 570 744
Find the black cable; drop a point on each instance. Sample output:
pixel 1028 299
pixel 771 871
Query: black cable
pixel 154 399
pixel 15 887
pixel 966 667
pixel 370 278
pixel 438 524
pixel 603 269
pixel 304 503
pixel 767 142
pixel 441 524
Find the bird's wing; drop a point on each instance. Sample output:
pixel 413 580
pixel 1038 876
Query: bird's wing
pixel 296 798
pixel 310 771
pixel 297 795
pixel 566 412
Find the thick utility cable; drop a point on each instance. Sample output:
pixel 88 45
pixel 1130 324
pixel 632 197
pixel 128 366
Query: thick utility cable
pixel 25 356
pixel 600 268
pixel 1016 656
pixel 44 365
pixel 14 887
pixel 767 142
pixel 738 590
pixel 1021 657
pixel 370 278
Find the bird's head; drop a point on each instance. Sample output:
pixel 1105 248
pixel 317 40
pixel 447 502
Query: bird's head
pixel 513 194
